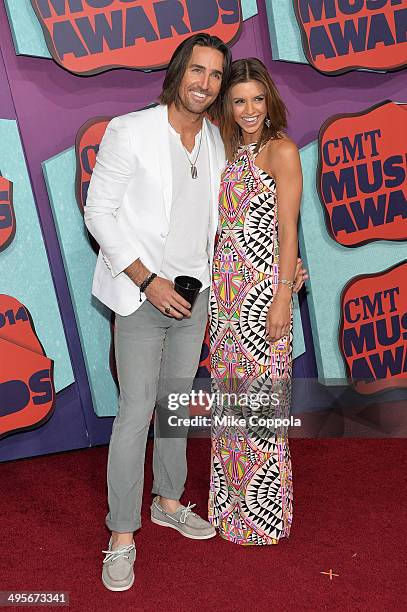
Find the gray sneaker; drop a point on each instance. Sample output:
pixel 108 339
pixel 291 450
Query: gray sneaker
pixel 118 573
pixel 183 520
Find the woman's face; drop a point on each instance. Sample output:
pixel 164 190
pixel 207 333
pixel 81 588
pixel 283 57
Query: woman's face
pixel 249 108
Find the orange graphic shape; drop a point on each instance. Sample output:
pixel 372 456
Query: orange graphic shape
pixel 26 388
pixel 87 144
pixel 370 38
pixel 138 34
pixel 377 136
pixel 373 330
pixel 7 216
pixel 16 325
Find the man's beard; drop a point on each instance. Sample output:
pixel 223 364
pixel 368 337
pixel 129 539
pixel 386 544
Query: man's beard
pixel 179 102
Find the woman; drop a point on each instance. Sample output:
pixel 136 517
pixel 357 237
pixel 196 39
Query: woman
pixel 251 315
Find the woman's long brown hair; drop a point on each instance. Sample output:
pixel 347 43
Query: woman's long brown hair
pixel 243 71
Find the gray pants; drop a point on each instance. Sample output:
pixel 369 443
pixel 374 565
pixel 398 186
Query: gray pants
pixel 155 355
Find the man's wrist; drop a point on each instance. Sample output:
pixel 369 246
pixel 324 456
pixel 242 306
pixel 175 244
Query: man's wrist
pixel 137 272
pixel 147 281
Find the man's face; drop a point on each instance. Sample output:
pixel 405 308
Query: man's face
pixel 202 80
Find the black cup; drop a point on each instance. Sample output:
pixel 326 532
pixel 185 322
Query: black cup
pixel 188 287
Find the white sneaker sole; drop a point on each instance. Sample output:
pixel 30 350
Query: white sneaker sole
pixel 112 588
pixel 186 535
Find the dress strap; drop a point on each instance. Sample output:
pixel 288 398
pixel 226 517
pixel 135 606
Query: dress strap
pixel 260 150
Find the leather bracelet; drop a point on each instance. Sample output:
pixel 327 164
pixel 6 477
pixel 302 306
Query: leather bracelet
pixel 284 281
pixel 146 283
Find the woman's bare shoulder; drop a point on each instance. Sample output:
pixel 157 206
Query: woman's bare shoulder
pixel 281 154
pixel 283 147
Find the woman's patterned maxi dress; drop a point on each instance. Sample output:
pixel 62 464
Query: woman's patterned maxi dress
pixel 250 498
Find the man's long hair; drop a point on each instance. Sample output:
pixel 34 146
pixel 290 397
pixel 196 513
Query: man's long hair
pixel 179 62
pixel 243 71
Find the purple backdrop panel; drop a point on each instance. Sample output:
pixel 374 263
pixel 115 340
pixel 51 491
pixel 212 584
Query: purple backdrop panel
pixel 52 104
pixel 65 430
pixel 6 102
pixel 28 36
pixel 49 100
pixel 67 415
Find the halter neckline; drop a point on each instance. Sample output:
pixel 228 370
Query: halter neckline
pixel 247 146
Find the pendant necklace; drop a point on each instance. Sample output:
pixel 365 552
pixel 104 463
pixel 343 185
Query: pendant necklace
pixel 194 169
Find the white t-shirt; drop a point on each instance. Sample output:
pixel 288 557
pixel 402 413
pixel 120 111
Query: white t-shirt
pixel 186 245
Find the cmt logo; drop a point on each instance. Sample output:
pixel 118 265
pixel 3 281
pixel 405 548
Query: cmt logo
pixel 87 145
pixel 26 376
pixel 373 330
pixel 90 36
pixel 362 175
pixel 341 35
pixel 7 216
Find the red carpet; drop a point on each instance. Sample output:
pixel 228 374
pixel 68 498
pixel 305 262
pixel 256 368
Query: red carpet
pixel 349 516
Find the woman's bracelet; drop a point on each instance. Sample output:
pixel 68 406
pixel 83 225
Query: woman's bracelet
pixel 284 281
pixel 146 283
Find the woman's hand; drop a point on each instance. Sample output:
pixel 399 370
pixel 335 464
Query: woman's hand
pixel 279 317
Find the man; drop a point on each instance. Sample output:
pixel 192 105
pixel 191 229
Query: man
pixel 152 207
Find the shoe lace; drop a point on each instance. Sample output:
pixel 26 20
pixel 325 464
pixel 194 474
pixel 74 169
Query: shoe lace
pixel 185 512
pixel 112 555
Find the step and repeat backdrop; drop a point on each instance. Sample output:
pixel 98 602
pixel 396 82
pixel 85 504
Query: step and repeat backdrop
pixel 68 66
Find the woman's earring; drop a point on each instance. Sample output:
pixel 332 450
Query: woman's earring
pixel 267 122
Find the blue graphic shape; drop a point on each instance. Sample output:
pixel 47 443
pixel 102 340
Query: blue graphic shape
pixel 27 33
pixel 285 35
pixel 26 30
pixel 298 335
pixel 330 267
pixel 92 318
pixel 24 267
pixel 249 8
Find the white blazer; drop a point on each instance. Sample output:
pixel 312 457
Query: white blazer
pixel 129 201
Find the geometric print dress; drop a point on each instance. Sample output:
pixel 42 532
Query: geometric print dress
pixel 250 500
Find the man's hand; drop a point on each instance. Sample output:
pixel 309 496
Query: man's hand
pixel 301 275
pixel 161 293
